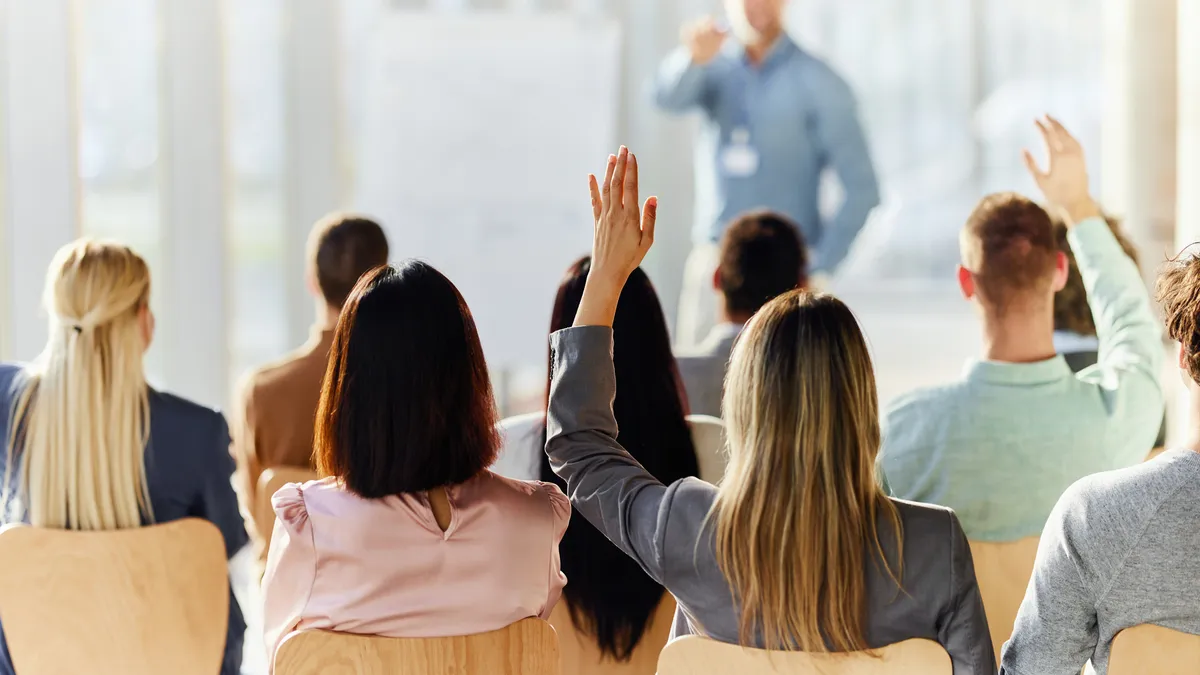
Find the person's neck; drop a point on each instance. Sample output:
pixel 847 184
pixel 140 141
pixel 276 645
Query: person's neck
pixel 1019 337
pixel 758 51
pixel 326 316
pixel 725 315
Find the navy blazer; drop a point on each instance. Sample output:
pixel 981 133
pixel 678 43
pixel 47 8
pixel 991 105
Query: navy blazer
pixel 188 470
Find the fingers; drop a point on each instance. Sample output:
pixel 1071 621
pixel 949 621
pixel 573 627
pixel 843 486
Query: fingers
pixel 618 177
pixel 1031 164
pixel 631 183
pixel 649 217
pixel 597 200
pixel 608 176
pixel 1068 141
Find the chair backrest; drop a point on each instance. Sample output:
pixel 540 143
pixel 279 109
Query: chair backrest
pixel 581 655
pixel 269 483
pixel 694 655
pixel 1154 650
pixel 527 647
pixel 708 437
pixel 1003 570
pixel 142 601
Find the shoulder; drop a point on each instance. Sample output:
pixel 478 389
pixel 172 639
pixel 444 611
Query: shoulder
pixel 926 520
pixel 1101 505
pixel 290 505
pixel 173 414
pixel 818 75
pixel 12 380
pixel 270 378
pixel 919 407
pixel 521 427
pixel 534 496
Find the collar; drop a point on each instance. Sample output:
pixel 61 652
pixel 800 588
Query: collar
pixel 1068 342
pixel 783 48
pixel 998 372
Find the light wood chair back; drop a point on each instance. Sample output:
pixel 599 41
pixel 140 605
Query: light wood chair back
pixel 1154 650
pixel 527 647
pixel 708 437
pixel 692 655
pixel 143 601
pixel 1003 571
pixel 581 655
pixel 269 483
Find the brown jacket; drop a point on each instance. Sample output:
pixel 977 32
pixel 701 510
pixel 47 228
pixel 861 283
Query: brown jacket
pixel 278 410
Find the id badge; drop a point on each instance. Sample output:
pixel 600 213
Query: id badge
pixel 739 158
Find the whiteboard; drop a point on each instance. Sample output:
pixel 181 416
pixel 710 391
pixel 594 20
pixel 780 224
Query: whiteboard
pixel 482 128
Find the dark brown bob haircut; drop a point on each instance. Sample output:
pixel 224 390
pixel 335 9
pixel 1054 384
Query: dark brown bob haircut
pixel 407 404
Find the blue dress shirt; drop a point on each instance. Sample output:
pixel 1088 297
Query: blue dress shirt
pixel 800 117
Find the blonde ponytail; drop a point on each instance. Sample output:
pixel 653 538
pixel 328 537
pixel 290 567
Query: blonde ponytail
pixel 81 424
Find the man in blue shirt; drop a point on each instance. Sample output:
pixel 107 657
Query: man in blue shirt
pixel 774 118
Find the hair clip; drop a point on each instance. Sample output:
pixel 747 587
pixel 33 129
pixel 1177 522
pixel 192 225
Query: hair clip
pixel 78 329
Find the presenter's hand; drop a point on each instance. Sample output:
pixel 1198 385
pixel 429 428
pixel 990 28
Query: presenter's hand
pixel 624 232
pixel 704 38
pixel 1065 181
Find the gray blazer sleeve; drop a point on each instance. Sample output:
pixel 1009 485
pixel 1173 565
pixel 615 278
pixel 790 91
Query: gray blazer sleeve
pixel 963 630
pixel 606 485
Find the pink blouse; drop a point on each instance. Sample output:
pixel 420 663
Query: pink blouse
pixel 384 567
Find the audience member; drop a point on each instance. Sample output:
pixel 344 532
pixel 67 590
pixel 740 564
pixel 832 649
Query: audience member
pixel 90 446
pixel 278 402
pixel 798 548
pixel 408 534
pixel 610 599
pixel 1000 445
pixel 762 256
pixel 1119 549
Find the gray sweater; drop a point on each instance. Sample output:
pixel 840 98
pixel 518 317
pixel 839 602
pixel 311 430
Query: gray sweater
pixel 1120 549
pixel 665 528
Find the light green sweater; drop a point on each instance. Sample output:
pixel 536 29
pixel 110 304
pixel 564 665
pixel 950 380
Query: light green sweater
pixel 1000 445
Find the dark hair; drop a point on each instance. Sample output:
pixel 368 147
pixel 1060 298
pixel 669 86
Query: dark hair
pixel 1178 289
pixel 341 249
pixel 1071 309
pixel 609 596
pixel 407 404
pixel 1008 245
pixel 762 256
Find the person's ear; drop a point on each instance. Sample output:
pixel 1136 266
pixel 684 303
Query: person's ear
pixel 1181 358
pixel 716 280
pixel 310 281
pixel 1062 269
pixel 147 325
pixel 966 282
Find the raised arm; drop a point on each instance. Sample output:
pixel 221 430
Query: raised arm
pixel 682 81
pixel 843 146
pixel 605 484
pixel 1130 356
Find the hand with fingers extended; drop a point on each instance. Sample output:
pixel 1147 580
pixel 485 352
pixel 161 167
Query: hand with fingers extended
pixel 1065 181
pixel 624 231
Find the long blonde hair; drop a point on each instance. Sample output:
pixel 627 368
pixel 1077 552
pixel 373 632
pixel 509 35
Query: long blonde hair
pixel 796 517
pixel 81 423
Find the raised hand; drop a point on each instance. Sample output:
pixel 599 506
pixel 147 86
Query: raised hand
pixel 703 38
pixel 624 232
pixel 1065 181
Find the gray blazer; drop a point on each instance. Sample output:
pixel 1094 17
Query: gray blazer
pixel 665 529
pixel 703 369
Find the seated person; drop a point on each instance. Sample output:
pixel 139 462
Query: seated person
pixel 408 534
pixel 610 599
pixel 84 403
pixel 1074 326
pixel 1119 549
pixel 278 402
pixel 751 562
pixel 762 255
pixel 1001 444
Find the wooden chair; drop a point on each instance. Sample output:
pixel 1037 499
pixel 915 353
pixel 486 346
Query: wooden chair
pixel 1003 570
pixel 527 647
pixel 581 655
pixel 1154 650
pixel 143 601
pixel 693 655
pixel 268 484
pixel 708 437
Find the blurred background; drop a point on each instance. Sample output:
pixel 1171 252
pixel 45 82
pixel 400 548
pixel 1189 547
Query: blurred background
pixel 211 134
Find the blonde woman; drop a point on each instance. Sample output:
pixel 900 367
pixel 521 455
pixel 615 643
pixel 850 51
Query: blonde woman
pixel 88 444
pixel 798 548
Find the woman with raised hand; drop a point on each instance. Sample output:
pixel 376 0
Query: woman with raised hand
pixel 613 618
pixel 408 534
pixel 799 548
pixel 90 445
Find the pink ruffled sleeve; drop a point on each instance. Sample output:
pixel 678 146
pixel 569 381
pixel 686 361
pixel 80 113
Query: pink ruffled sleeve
pixel 560 508
pixel 291 569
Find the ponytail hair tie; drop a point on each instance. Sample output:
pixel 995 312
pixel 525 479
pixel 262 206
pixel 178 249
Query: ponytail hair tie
pixel 78 329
